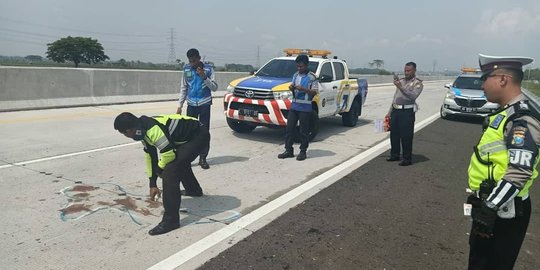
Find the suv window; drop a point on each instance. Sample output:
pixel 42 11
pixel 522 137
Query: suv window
pixel 340 70
pixel 327 70
pixel 283 68
pixel 473 83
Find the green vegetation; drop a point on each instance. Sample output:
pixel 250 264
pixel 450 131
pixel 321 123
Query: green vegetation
pixel 532 86
pixel 76 50
pixel 374 71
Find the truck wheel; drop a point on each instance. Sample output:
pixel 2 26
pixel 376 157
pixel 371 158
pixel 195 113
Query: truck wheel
pixel 350 118
pixel 313 128
pixel 239 126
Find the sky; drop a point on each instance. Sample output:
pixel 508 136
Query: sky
pixel 437 35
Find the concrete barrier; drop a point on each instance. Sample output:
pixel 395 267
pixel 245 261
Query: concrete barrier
pixel 27 88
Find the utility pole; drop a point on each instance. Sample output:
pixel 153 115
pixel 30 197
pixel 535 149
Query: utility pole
pixel 258 56
pixel 172 53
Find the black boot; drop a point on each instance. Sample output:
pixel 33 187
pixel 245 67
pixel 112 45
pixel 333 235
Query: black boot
pixel 164 227
pixel 405 162
pixel 392 158
pixel 301 156
pixel 203 163
pixel 286 154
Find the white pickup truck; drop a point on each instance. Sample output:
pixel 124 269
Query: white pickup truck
pixel 264 99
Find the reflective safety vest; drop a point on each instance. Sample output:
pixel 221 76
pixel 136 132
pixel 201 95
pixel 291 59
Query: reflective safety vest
pixel 164 133
pixel 302 100
pixel 491 154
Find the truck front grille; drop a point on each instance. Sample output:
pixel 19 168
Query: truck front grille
pixel 257 94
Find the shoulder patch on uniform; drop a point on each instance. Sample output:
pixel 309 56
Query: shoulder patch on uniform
pixel 497 121
pixel 518 136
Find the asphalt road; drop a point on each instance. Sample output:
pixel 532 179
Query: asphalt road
pixel 382 216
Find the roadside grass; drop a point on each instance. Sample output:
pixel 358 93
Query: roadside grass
pixel 532 87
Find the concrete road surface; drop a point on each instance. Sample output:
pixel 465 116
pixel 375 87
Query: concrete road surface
pixel 74 189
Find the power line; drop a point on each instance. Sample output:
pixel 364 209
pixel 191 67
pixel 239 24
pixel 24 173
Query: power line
pixel 78 30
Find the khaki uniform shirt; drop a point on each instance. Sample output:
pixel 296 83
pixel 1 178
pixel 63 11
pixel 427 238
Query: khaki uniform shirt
pixel 411 90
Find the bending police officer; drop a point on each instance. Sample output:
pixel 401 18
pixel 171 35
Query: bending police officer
pixel 179 140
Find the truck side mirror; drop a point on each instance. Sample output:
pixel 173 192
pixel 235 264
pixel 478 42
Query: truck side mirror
pixel 448 85
pixel 252 72
pixel 325 78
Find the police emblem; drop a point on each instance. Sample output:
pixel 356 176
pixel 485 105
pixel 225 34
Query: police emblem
pixel 518 138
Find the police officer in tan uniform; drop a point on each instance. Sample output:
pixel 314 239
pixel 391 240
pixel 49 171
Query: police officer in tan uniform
pixel 402 115
pixel 503 167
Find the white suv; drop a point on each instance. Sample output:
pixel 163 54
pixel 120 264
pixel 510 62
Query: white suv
pixel 465 97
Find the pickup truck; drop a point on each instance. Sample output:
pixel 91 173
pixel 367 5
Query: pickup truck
pixel 264 98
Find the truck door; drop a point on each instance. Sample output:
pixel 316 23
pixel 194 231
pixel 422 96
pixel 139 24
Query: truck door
pixel 344 96
pixel 328 90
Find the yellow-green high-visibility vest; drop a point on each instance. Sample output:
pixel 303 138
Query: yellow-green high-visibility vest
pixel 493 144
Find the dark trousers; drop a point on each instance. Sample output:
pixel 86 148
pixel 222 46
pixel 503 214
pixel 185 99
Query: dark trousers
pixel 501 251
pixel 180 171
pixel 292 119
pixel 203 114
pixel 401 132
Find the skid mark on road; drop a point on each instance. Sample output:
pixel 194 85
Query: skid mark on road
pixel 84 200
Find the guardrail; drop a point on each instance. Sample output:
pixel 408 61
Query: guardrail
pixel 535 102
pixel 28 88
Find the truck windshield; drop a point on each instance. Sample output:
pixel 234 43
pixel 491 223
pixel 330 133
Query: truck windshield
pixel 472 83
pixel 283 68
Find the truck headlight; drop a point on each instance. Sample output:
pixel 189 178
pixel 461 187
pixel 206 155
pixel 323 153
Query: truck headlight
pixel 450 94
pixel 283 95
pixel 230 89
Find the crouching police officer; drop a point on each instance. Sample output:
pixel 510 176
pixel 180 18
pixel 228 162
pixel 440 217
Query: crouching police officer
pixel 502 168
pixel 179 140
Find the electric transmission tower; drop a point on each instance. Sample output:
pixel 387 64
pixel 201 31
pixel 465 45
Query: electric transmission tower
pixel 172 53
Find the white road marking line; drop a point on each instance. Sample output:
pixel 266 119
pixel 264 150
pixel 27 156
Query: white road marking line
pixel 211 245
pixel 67 155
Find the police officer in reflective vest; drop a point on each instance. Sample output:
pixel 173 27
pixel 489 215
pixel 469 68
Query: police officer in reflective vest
pixel 304 87
pixel 503 167
pixel 179 140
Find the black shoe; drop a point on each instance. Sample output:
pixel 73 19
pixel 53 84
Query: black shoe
pixel 163 227
pixel 405 162
pixel 185 193
pixel 204 164
pixel 391 158
pixel 286 154
pixel 301 156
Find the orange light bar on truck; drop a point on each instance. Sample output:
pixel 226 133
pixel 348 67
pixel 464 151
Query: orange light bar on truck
pixel 309 52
